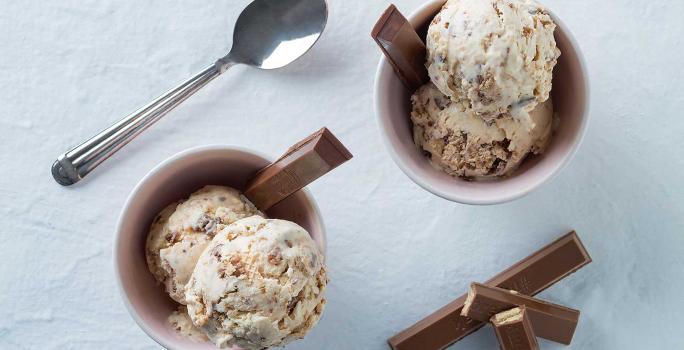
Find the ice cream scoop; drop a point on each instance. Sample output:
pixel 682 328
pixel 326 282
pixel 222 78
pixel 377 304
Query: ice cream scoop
pixel 259 283
pixel 461 143
pixel 182 231
pixel 493 56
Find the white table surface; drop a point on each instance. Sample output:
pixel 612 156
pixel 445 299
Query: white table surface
pixel 396 253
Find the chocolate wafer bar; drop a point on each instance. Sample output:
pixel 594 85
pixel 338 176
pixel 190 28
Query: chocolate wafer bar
pixel 514 330
pixel 303 163
pixel 529 276
pixel 402 46
pixel 549 321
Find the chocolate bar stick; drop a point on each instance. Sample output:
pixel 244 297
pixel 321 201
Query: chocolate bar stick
pixel 514 330
pixel 303 163
pixel 549 321
pixel 402 46
pixel 529 276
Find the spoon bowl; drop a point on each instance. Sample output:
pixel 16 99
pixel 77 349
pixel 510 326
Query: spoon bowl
pixel 271 34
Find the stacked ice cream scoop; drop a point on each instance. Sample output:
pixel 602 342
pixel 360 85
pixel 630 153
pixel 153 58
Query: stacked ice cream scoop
pixel 487 106
pixel 240 279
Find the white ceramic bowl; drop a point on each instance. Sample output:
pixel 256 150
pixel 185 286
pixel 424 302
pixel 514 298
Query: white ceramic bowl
pixel 570 97
pixel 174 179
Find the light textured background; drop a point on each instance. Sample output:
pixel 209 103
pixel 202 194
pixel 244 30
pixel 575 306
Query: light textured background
pixel 396 253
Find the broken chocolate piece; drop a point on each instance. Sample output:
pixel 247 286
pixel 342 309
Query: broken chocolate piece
pixel 549 321
pixel 402 46
pixel 514 330
pixel 303 163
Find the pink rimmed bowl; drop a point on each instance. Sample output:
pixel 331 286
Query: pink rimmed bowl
pixel 570 97
pixel 174 179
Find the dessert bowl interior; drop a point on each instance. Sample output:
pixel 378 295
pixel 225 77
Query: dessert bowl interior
pixel 175 179
pixel 570 98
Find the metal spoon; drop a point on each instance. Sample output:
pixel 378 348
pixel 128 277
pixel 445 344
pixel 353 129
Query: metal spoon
pixel 268 34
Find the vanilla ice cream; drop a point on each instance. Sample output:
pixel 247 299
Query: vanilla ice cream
pixel 181 232
pixel 463 144
pixel 493 56
pixel 180 321
pixel 259 283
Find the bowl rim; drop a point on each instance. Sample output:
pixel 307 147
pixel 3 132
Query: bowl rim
pixel 510 195
pixel 151 174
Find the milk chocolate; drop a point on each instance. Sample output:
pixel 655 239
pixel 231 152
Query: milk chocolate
pixel 402 46
pixel 529 276
pixel 550 321
pixel 514 330
pixel 303 163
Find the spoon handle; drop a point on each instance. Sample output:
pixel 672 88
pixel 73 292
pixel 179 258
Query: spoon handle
pixel 75 164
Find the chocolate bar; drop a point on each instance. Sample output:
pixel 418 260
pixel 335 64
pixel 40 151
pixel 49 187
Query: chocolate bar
pixel 549 321
pixel 402 46
pixel 303 163
pixel 529 276
pixel 514 330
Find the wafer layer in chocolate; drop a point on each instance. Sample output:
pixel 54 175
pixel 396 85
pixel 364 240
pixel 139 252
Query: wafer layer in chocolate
pixel 514 330
pixel 402 46
pixel 303 163
pixel 529 276
pixel 549 321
